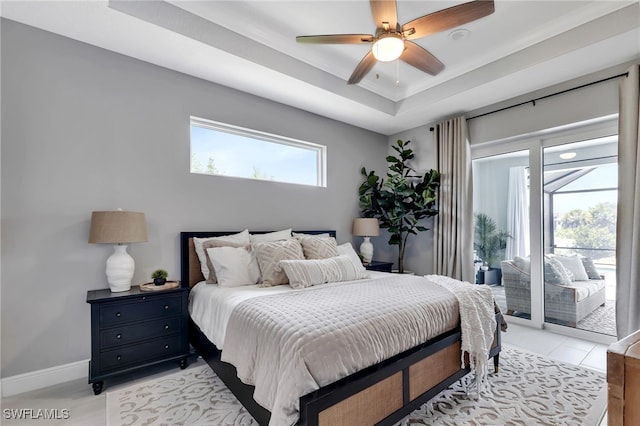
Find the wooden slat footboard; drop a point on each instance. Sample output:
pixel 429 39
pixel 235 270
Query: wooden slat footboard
pixel 386 392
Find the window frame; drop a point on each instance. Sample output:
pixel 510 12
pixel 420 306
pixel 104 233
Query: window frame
pixel 320 150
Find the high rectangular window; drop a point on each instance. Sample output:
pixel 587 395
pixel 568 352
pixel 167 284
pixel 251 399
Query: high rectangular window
pixel 226 150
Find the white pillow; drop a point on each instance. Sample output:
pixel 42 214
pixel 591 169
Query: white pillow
pixel 555 273
pixel 211 279
pixel 522 263
pixel 285 234
pixel 573 264
pixel 309 272
pixel 240 238
pixel 234 266
pixel 269 255
pixel 348 250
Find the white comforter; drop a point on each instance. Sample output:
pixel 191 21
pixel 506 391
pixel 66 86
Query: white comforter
pixel 290 344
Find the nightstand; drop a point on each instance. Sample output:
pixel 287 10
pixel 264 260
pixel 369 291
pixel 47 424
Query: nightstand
pixel 375 265
pixel 135 329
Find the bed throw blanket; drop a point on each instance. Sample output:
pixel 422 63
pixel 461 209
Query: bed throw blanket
pixel 477 323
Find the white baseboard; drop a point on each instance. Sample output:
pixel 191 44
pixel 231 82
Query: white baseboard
pixel 43 378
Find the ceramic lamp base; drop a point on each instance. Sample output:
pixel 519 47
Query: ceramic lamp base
pixel 120 268
pixel 366 251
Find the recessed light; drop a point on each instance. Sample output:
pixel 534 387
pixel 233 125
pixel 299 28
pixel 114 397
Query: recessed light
pixel 459 34
pixel 567 155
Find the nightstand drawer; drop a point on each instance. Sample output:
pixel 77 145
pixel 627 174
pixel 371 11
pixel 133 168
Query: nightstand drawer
pixel 122 313
pixel 136 354
pixel 123 335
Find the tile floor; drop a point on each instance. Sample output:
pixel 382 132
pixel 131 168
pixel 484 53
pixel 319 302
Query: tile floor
pixel 89 410
pixel 563 348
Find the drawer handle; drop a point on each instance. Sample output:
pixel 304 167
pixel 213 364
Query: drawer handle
pixel 118 357
pixel 118 336
pixel 166 307
pixel 118 314
pixel 166 327
pixel 166 346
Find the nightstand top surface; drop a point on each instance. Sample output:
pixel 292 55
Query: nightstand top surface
pixel 378 263
pixel 106 294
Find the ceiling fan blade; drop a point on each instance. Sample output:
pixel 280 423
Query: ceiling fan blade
pixel 447 18
pixel 363 68
pixel 384 11
pixel 336 39
pixel 420 58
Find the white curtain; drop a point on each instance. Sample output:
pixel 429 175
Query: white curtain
pixel 453 226
pixel 517 214
pixel 628 225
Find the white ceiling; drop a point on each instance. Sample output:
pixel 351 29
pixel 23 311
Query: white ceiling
pixel 250 45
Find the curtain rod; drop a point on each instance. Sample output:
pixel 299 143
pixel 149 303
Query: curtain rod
pixel 533 101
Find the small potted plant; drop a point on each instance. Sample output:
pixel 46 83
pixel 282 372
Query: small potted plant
pixel 159 276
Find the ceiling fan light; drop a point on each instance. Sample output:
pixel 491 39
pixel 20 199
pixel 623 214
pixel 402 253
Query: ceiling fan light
pixel 388 48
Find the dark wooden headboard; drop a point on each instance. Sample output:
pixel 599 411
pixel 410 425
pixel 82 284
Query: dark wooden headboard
pixel 190 264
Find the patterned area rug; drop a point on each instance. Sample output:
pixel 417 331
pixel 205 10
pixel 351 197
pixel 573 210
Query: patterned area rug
pixel 529 390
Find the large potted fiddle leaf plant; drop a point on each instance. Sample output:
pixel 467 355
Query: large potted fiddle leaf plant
pixel 402 200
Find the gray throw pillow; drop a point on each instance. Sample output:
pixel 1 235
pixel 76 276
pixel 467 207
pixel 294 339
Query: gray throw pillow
pixel 591 269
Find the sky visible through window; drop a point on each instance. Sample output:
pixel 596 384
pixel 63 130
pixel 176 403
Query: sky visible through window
pixel 221 153
pixel 602 177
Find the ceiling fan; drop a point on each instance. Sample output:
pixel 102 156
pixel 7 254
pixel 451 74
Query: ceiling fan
pixel 392 40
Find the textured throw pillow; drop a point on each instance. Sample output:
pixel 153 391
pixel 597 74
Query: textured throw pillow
pixel 234 266
pixel 269 255
pixel 554 272
pixel 590 268
pixel 348 250
pixel 574 265
pixel 522 263
pixel 240 237
pixel 285 234
pixel 318 247
pixel 299 234
pixel 309 272
pixel 211 279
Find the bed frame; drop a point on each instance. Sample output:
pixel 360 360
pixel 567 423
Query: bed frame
pixel 381 394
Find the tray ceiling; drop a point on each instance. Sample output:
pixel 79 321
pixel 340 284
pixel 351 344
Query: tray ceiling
pixel 250 45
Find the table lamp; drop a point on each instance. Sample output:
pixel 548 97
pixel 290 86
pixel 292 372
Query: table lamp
pixel 366 227
pixel 119 228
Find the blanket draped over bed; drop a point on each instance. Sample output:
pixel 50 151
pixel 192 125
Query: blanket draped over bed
pixel 477 323
pixel 276 347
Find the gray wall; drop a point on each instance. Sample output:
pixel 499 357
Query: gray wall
pixel 419 251
pixel 86 129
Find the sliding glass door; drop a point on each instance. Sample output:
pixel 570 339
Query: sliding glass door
pixel 580 192
pixel 545 228
pixel 502 244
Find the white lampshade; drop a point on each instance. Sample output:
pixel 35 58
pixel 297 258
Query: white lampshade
pixel 388 47
pixel 118 227
pixel 366 227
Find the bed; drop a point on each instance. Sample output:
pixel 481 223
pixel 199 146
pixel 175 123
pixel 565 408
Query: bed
pixel 382 392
